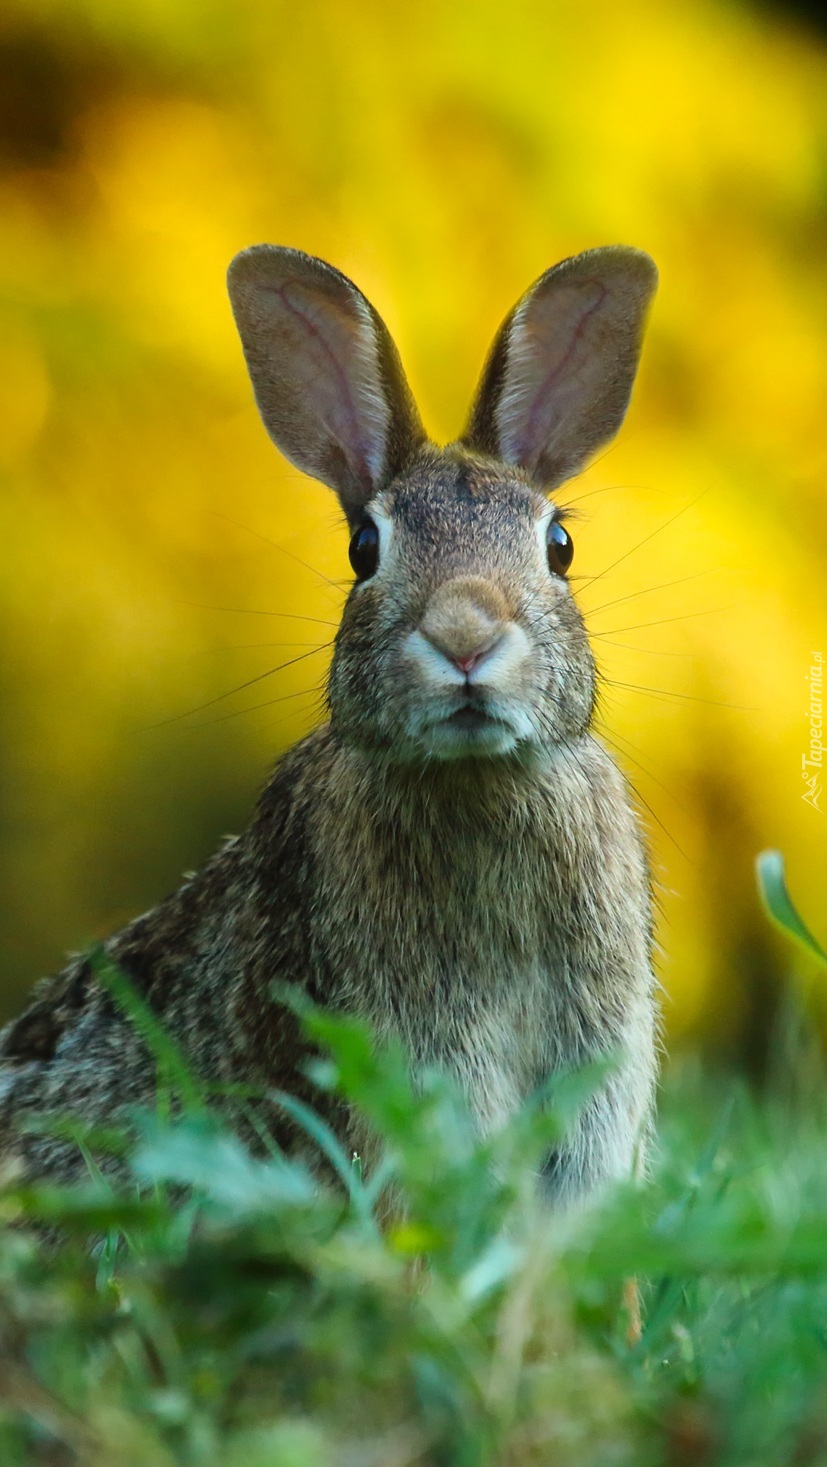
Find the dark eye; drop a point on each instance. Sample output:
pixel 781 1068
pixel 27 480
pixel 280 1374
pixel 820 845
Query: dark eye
pixel 559 548
pixel 364 551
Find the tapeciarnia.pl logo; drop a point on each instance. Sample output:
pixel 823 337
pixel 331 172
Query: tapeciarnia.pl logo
pixel 812 762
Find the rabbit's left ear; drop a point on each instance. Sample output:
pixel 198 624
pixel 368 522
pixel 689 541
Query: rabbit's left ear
pixel 325 372
pixel 559 377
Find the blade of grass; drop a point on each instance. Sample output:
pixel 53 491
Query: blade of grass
pixel 778 904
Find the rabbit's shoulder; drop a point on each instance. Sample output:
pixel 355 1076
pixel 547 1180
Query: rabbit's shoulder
pixel 180 942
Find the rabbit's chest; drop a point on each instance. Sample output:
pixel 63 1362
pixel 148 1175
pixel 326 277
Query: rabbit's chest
pixel 456 961
pixel 475 1003
pixel 499 941
pixel 442 925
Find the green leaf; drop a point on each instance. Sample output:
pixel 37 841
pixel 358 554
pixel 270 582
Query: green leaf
pixel 320 1132
pixel 215 1162
pixel 778 903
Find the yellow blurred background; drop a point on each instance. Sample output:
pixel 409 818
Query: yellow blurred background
pixel 443 155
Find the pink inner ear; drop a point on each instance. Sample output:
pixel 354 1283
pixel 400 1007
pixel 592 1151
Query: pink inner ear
pixel 554 360
pixel 334 362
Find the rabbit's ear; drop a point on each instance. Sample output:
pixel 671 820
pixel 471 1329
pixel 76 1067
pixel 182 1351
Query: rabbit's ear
pixel 559 377
pixel 327 377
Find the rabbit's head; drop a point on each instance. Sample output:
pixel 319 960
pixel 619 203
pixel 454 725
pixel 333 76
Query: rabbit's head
pixel 460 637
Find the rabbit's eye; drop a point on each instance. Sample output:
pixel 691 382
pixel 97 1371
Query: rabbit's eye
pixel 364 551
pixel 559 548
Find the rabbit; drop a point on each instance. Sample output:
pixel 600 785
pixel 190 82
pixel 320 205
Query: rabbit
pixel 454 856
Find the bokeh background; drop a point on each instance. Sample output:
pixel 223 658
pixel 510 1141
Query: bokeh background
pixel 443 155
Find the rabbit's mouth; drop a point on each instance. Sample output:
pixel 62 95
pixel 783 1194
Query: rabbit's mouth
pixel 470 730
pixel 471 718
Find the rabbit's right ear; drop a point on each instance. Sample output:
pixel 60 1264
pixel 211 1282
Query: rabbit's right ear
pixel 326 375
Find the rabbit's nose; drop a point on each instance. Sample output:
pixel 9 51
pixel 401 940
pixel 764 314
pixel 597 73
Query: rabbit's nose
pixel 465 660
pixel 464 620
pixel 467 664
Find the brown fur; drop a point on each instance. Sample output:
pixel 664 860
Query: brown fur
pixel 459 863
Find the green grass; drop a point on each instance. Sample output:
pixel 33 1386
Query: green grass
pixel 235 1311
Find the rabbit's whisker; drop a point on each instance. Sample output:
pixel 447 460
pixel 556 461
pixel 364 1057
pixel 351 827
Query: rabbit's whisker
pixel 254 707
pixel 671 693
pixel 628 647
pixel 271 671
pixel 276 546
pixel 662 621
pixel 569 752
pixel 643 767
pixel 604 489
pixel 252 646
pixel 647 591
pixel 252 611
pixel 667 832
pixel 645 541
pixel 316 704
pixel 600 725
